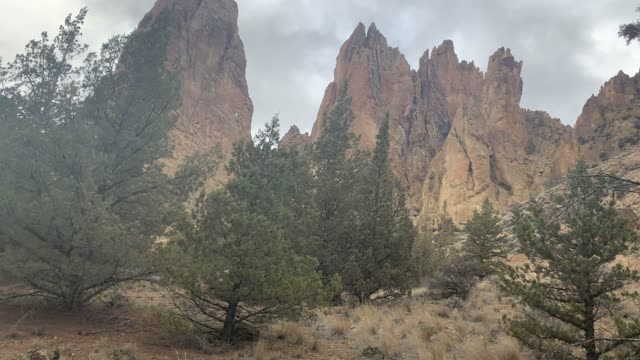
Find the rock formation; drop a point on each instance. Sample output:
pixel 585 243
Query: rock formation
pixel 495 149
pixel 458 135
pixel 610 121
pixel 380 81
pixel 208 56
pixel 293 138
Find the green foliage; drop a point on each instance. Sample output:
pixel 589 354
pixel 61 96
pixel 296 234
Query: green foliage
pixel 573 284
pixel 630 31
pixel 334 184
pixel 433 245
pixel 385 237
pixel 485 241
pixel 83 191
pixel 236 263
pixel 365 233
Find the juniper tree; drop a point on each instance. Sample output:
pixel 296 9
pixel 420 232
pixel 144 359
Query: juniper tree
pixel 335 180
pixel 235 264
pixel 574 285
pixel 365 235
pixel 434 243
pixel 485 242
pixel 379 253
pixel 83 192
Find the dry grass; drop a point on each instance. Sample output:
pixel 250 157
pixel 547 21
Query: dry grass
pixel 106 351
pixel 289 334
pixel 102 351
pixel 262 352
pixel 284 340
pixel 417 328
pixel 420 328
pixel 335 325
pixel 480 349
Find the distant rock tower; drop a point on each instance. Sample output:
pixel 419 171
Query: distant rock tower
pixel 207 53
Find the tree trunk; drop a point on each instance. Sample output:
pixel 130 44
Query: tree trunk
pixel 71 301
pixel 590 333
pixel 230 322
pixel 337 300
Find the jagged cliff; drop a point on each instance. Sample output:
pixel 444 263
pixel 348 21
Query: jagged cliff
pixel 610 121
pixel 459 135
pixel 495 149
pixel 207 55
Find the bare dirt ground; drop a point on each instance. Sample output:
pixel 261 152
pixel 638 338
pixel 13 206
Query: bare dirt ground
pixel 412 328
pixel 99 329
pixel 133 330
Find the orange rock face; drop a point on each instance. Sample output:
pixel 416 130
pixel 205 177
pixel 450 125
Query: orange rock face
pixel 208 55
pixel 610 122
pixel 380 81
pixel 458 135
pixel 293 138
pixel 495 149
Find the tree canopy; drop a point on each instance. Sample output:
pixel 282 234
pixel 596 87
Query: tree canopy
pixel 235 262
pixel 84 194
pixel 574 283
pixel 631 31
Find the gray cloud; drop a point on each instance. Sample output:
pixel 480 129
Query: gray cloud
pixel 569 47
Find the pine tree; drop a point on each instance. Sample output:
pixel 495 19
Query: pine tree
pixel 485 243
pixel 574 284
pixel 84 194
pixel 235 264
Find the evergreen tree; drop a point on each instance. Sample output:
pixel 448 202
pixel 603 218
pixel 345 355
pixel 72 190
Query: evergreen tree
pixel 485 243
pixel 335 181
pixel 630 31
pixel 235 264
pixel 83 191
pixel 574 284
pixel 380 252
pixel 365 233
pixel 434 243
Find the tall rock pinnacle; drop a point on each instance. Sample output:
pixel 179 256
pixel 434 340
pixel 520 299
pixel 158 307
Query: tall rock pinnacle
pixel 207 54
pixel 379 80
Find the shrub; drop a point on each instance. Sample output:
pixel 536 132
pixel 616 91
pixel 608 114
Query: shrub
pixel 456 277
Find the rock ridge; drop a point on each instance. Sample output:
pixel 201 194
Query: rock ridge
pixel 459 135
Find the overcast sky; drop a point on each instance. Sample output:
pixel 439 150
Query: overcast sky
pixel 569 47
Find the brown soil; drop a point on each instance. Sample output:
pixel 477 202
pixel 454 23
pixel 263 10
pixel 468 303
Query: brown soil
pixel 99 330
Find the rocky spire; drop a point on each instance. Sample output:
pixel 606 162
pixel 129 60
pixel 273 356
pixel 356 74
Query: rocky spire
pixel 207 54
pixel 379 78
pixel 503 78
pixel 375 38
pixel 610 121
pixel 293 138
pixel 457 135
